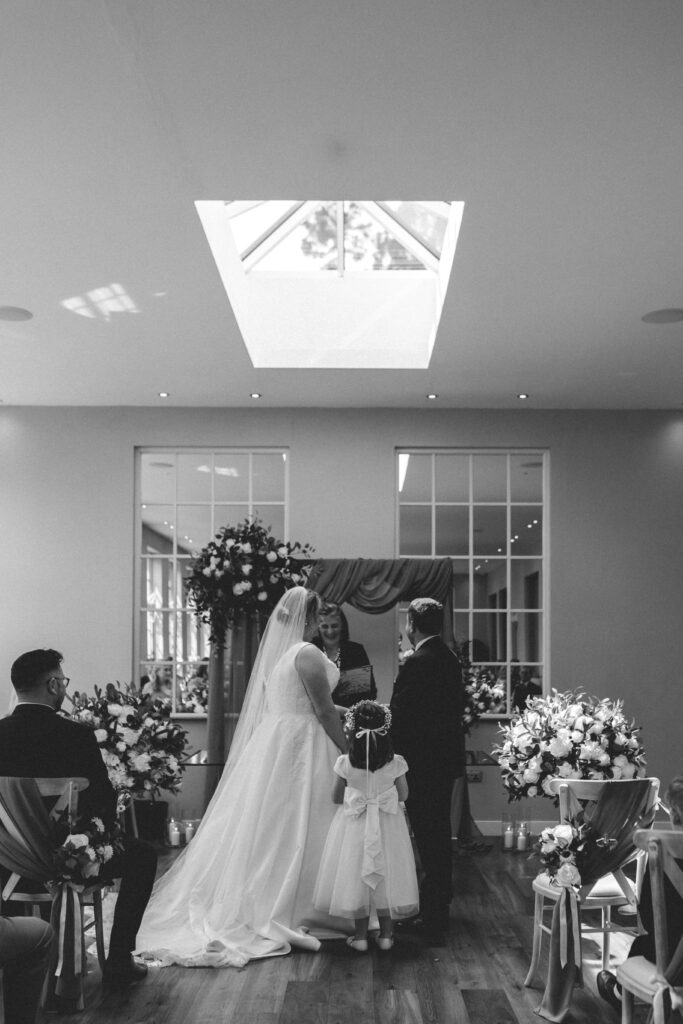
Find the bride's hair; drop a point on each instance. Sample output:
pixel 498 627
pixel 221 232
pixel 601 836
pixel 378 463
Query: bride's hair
pixel 374 719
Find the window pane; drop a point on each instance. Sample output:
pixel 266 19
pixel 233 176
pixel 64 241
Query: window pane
pixel 157 642
pixel 526 478
pixel 157 478
pixel 415 530
pixel 461 627
pixel 231 476
pixel 527 583
pixel 158 526
pixel 453 478
pixel 229 515
pixel 461 583
pixel 489 530
pixel 489 478
pixel 489 636
pixel 268 477
pixel 452 530
pixel 272 516
pixel 527 681
pixel 416 472
pixel 194 477
pixel 156 583
pixel 490 576
pixel 525 630
pixel 194 528
pixel 527 529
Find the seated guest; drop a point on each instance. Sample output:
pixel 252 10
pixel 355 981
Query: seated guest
pixel 356 679
pixel 644 945
pixel 37 742
pixel 24 954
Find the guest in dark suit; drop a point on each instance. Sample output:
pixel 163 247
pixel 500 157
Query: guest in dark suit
pixel 37 742
pixel 24 955
pixel 427 707
pixel 347 655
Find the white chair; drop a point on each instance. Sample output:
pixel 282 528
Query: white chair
pixel 640 978
pixel 601 894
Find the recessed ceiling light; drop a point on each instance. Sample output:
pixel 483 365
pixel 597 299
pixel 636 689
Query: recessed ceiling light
pixel 164 394
pixel 431 396
pixel 663 316
pixel 522 395
pixel 15 313
pixel 255 394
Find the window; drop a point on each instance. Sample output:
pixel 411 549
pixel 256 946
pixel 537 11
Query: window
pixel 184 496
pixel 485 510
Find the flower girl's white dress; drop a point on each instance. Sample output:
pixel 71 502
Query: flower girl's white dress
pixel 368 863
pixel 243 888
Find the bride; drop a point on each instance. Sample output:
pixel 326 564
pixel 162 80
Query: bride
pixel 243 888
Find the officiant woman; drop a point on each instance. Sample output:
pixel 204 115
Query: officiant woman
pixel 356 679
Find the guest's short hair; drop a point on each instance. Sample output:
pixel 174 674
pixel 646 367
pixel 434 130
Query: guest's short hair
pixel 674 799
pixel 330 608
pixel 28 670
pixel 426 615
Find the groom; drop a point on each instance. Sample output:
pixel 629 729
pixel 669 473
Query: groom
pixel 36 742
pixel 426 708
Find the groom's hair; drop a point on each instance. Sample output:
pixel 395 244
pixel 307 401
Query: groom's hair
pixel 29 668
pixel 427 615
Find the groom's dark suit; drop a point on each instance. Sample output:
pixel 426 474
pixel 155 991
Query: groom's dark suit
pixel 36 742
pixel 426 707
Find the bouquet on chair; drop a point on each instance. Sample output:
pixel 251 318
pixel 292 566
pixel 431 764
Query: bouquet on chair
pixel 567 736
pixel 484 691
pixel 80 856
pixel 560 851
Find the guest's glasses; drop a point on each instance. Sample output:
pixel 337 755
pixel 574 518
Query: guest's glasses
pixel 60 679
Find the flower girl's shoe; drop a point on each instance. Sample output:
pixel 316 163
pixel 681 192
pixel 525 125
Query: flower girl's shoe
pixel 360 945
pixel 385 942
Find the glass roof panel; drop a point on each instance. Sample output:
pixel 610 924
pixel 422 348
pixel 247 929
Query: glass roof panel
pixel 310 246
pixel 250 221
pixel 427 221
pixel 369 246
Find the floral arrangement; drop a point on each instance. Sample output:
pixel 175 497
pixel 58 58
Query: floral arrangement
pixel 81 854
pixel 570 736
pixel 243 570
pixel 484 692
pixel 194 695
pixel 140 745
pixel 560 850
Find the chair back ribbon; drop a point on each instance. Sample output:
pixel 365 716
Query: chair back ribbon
pixel 27 842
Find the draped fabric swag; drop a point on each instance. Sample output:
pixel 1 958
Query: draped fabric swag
pixel 375 585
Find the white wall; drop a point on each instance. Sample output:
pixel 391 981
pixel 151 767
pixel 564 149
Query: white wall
pixel 616 557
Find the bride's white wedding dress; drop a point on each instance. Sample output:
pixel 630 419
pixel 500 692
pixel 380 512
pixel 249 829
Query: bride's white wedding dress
pixel 243 888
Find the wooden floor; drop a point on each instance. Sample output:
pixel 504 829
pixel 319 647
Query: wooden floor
pixel 476 979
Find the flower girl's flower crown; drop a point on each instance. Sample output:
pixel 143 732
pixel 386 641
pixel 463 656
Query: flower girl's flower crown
pixel 357 718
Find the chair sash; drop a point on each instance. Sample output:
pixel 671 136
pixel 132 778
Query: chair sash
pixel 27 842
pixel 621 808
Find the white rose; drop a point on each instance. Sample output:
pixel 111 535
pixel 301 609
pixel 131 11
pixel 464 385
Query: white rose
pixel 237 589
pixel 262 596
pixel 577 736
pixel 633 743
pixel 532 791
pixel 101 735
pixel 141 762
pixel 130 736
pixel 616 772
pixel 229 543
pixel 246 569
pixel 568 874
pixel 207 572
pixel 271 557
pixel 246 547
pixel 114 710
pixel 77 841
pixel 597 728
pixel 628 771
pixel 561 745
pixel 246 586
pixel 121 746
pixel 530 776
pixel 563 835
pixel 604 758
pixel 282 551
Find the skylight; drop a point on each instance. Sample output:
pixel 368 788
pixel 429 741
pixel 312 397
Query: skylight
pixel 335 283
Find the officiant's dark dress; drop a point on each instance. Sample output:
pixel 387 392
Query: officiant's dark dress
pixel 36 742
pixel 427 706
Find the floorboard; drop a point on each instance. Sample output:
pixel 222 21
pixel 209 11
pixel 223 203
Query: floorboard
pixel 477 978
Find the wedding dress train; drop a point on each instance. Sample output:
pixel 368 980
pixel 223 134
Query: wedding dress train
pixel 243 888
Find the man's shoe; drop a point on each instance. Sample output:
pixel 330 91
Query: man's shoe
pixel 609 990
pixel 121 977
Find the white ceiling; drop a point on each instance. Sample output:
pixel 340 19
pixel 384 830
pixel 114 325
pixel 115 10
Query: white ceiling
pixel 558 122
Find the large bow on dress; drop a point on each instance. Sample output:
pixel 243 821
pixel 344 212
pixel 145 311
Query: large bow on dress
pixel 356 804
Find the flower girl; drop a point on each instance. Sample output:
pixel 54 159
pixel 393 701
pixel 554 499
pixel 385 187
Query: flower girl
pixel 367 863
